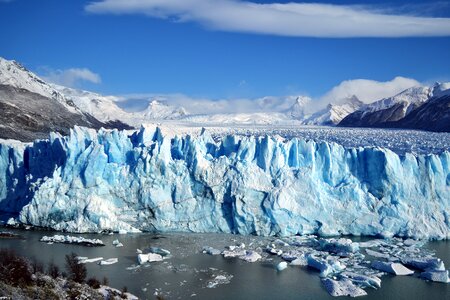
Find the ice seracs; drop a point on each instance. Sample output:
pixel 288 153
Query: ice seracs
pixel 264 185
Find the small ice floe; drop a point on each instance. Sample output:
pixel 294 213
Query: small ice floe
pixel 343 287
pixel 370 244
pixel 325 267
pixel 281 266
pixel 108 261
pixel 117 243
pixel 436 276
pixel 149 257
pixel 424 263
pixel 341 245
pixel 363 280
pixel 391 267
pixel 219 279
pixel 251 256
pixel 85 260
pixel 300 261
pixel 138 251
pixel 280 243
pixel 274 251
pixel 290 255
pixel 160 251
pixel 67 239
pixel 211 250
pixel 236 252
pixel 377 254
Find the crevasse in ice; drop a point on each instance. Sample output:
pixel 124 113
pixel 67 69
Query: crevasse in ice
pixel 109 180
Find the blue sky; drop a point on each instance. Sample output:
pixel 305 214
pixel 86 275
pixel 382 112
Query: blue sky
pixel 172 48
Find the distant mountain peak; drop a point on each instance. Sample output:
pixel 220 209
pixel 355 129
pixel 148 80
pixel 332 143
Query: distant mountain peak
pixel 299 108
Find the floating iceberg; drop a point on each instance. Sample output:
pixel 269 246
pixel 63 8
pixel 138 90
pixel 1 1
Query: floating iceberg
pixel 437 276
pixel 282 265
pixel 149 257
pixel 424 263
pixel 343 287
pixel 148 180
pixel 391 267
pixel 108 261
pixel 67 239
pixel 251 256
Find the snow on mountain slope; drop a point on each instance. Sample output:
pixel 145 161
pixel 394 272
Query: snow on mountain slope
pixel 386 112
pixel 108 180
pixel 411 98
pixel 300 108
pixel 31 108
pixel 432 115
pixel 334 113
pixel 101 107
pixel 14 74
pixel 158 109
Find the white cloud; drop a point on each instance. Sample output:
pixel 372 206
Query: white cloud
pixel 366 90
pixel 287 19
pixel 71 77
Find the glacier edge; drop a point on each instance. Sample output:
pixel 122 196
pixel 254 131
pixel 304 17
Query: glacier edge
pixel 108 180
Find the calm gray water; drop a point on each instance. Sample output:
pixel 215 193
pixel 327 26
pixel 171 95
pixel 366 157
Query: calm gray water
pixel 187 273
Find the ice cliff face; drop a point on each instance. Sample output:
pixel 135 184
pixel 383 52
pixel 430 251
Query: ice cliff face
pixel 90 181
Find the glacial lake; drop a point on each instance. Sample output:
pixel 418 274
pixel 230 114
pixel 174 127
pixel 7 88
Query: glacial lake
pixel 188 272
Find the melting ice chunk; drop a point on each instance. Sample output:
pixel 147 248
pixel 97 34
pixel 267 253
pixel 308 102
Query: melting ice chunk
pixel 391 267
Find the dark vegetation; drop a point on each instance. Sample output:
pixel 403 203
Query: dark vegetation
pixel 34 281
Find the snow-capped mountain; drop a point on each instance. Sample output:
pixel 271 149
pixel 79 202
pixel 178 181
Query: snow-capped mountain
pixel 390 111
pixel 158 109
pixel 299 109
pixel 334 113
pixel 101 107
pixel 432 115
pixel 15 75
pixel 31 108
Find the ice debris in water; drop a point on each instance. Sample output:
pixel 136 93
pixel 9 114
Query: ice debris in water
pixel 217 279
pixel 345 271
pixel 117 243
pixel 85 260
pixel 108 261
pixel 436 275
pixel 211 250
pixel 67 239
pixel 343 287
pixel 149 257
pixel 391 267
pixel 282 265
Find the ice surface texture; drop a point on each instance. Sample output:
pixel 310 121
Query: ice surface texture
pixel 108 180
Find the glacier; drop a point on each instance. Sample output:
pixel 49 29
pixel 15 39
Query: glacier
pixel 149 180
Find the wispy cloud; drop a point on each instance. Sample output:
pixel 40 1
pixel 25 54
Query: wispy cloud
pixel 283 19
pixel 70 77
pixel 366 90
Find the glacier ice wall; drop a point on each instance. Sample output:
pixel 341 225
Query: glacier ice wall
pixel 108 180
